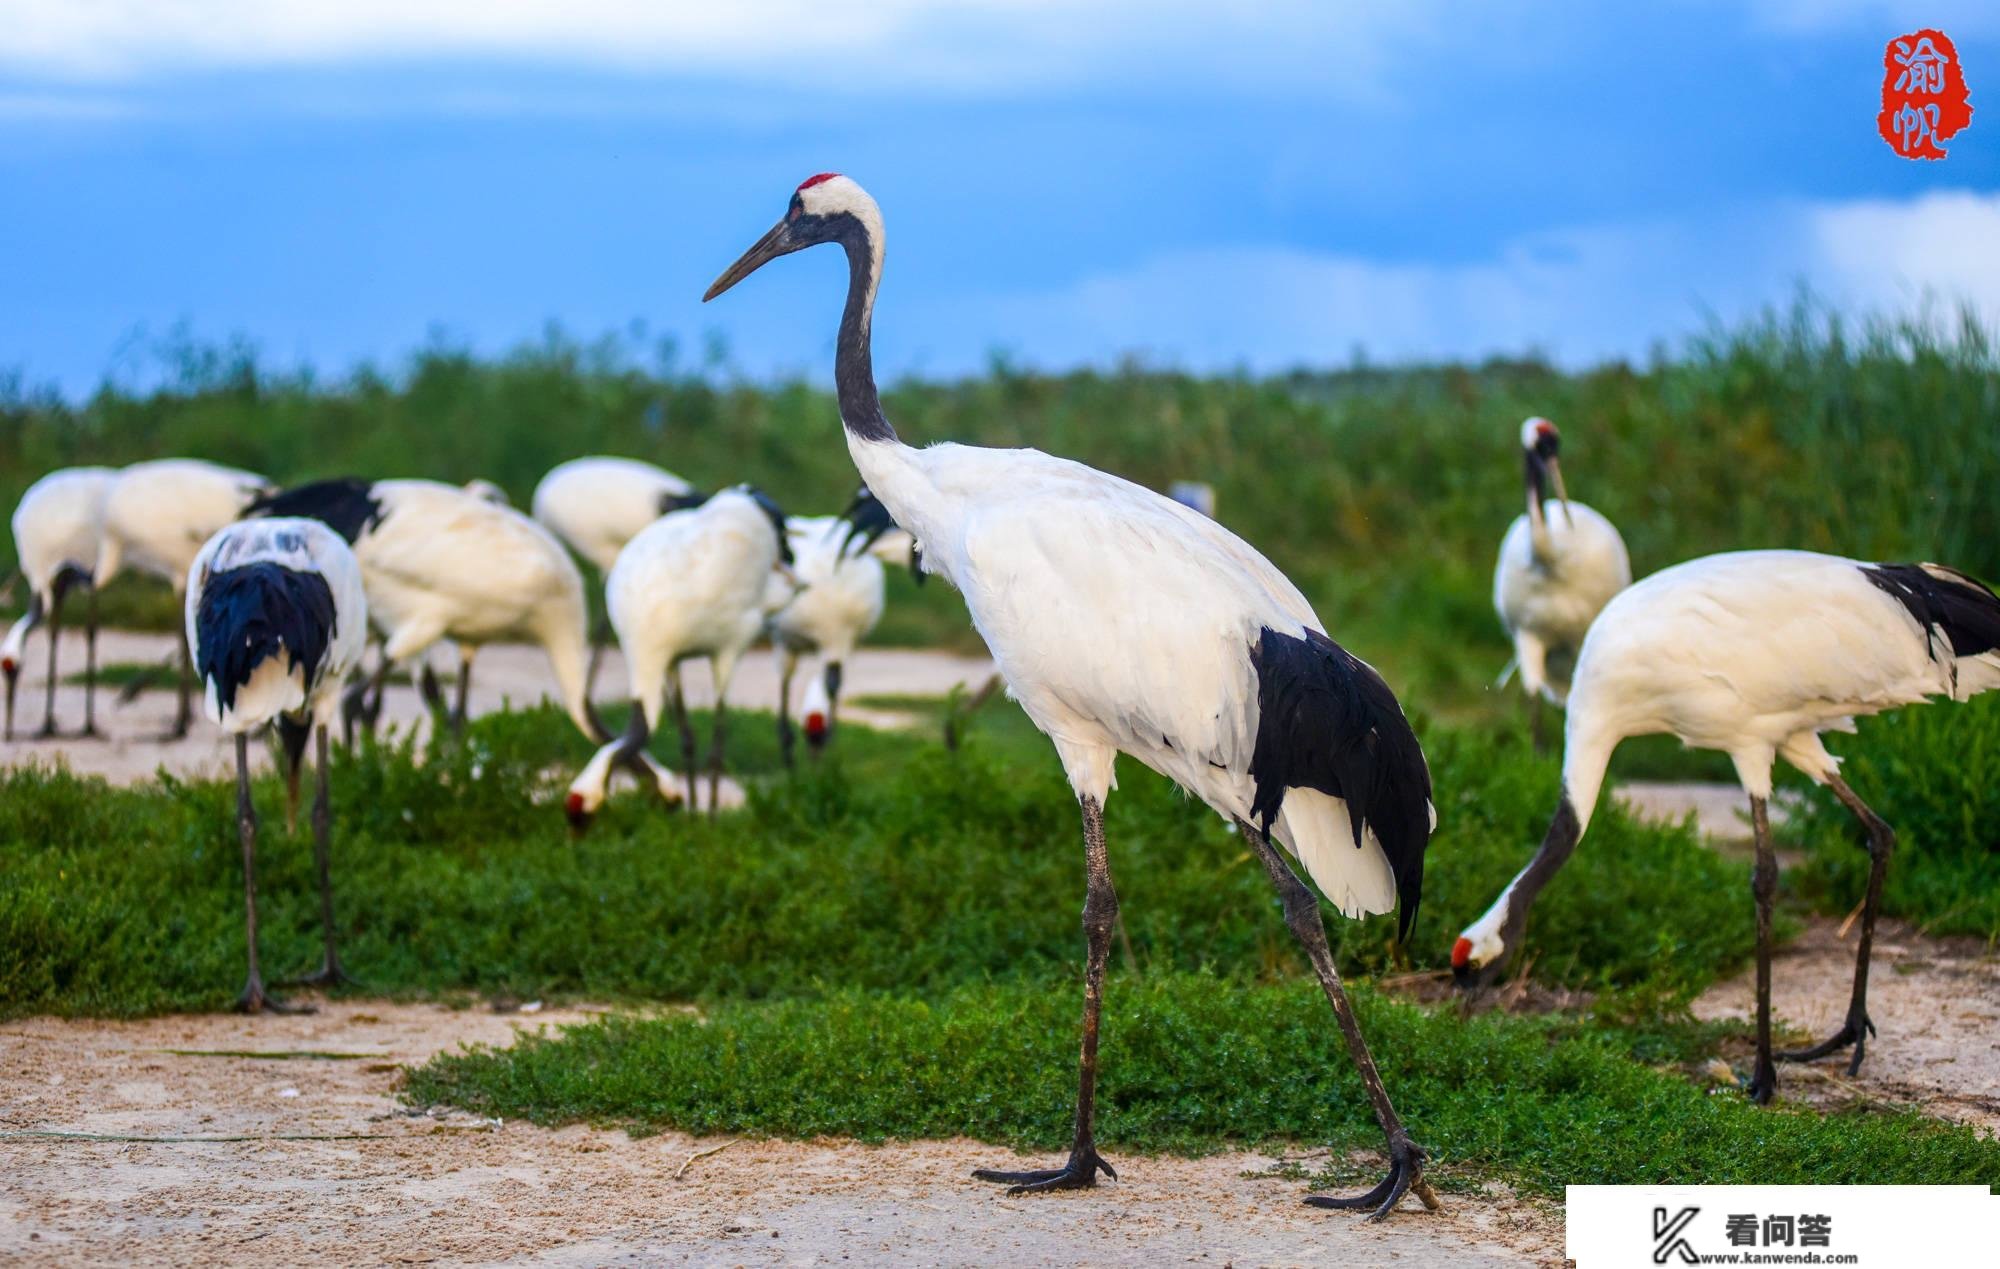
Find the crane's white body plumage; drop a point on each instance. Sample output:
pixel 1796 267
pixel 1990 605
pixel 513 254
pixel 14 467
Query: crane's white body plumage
pixel 694 583
pixel 442 563
pixel 1548 586
pixel 1122 621
pixel 276 686
pixel 57 525
pixel 599 504
pixel 158 515
pixel 1754 654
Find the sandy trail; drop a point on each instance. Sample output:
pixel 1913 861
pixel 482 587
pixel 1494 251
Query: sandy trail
pixel 453 1189
pixel 503 675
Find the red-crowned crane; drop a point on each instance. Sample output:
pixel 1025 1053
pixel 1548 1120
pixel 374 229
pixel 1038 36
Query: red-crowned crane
pixel 1755 653
pixel 157 515
pixel 1124 622
pixel 597 505
pixel 277 619
pixel 694 583
pixel 57 527
pixel 836 603
pixel 442 563
pixel 1559 564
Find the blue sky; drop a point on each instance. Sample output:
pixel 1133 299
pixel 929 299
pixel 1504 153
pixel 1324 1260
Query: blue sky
pixel 1207 185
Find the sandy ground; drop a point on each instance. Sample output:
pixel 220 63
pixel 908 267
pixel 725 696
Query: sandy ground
pixel 1936 1007
pixel 383 1186
pixel 504 674
pixel 450 1189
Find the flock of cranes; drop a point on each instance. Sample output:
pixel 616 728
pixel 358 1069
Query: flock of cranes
pixel 1121 620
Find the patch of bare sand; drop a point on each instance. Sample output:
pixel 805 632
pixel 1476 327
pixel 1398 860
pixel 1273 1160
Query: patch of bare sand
pixel 1936 1006
pixel 454 1190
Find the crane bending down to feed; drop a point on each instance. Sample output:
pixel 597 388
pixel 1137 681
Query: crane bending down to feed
pixel 277 619
pixel 157 517
pixel 837 602
pixel 57 527
pixel 695 583
pixel 1124 622
pixel 1755 653
pixel 597 505
pixel 442 563
pixel 1559 564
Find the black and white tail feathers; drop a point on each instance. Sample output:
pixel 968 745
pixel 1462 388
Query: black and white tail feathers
pixel 1945 602
pixel 257 611
pixel 346 504
pixel 1327 721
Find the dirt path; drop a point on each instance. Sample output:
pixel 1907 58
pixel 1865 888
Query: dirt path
pixel 504 674
pixel 453 1189
pixel 1935 1002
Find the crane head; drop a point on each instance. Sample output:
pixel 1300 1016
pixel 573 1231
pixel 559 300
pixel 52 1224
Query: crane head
pixel 828 207
pixel 1540 445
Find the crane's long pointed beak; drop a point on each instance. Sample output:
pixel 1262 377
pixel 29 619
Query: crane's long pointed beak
pixel 1562 493
pixel 776 243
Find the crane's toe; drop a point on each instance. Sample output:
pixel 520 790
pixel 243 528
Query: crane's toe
pixel 1856 1032
pixel 257 1000
pixel 1080 1173
pixel 1406 1175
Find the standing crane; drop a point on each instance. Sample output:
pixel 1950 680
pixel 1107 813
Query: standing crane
pixel 694 583
pixel 1755 653
pixel 1127 623
pixel 157 516
pixel 597 505
pixel 1559 564
pixel 277 619
pixel 57 527
pixel 836 603
pixel 442 563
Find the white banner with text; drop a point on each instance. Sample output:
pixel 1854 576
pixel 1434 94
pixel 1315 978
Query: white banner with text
pixel 1870 1226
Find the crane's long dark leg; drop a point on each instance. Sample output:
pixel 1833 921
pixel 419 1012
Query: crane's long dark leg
pixel 1100 910
pixel 786 740
pixel 1858 1028
pixel 355 705
pixel 1764 886
pixel 330 973
pixel 687 734
pixel 720 730
pixel 1406 1157
pixel 90 667
pixel 184 704
pixel 459 709
pixel 61 589
pixel 292 737
pixel 254 998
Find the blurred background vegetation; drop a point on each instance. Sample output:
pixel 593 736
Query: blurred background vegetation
pixel 1382 492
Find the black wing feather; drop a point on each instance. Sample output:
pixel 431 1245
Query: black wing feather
pixel 346 504
pixel 249 613
pixel 1327 721
pixel 1961 607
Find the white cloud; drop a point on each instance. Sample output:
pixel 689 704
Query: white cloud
pixel 1580 295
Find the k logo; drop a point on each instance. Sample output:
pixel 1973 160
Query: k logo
pixel 1667 1235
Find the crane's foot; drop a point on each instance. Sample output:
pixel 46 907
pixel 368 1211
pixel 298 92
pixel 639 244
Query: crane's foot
pixel 1857 1031
pixel 1080 1173
pixel 1406 1176
pixel 1763 1085
pixel 330 974
pixel 47 731
pixel 256 1000
pixel 89 731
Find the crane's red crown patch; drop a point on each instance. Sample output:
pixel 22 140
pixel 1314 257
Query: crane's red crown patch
pixel 1924 98
pixel 811 181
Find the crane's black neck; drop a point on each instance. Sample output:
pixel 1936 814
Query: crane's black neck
pixel 853 363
